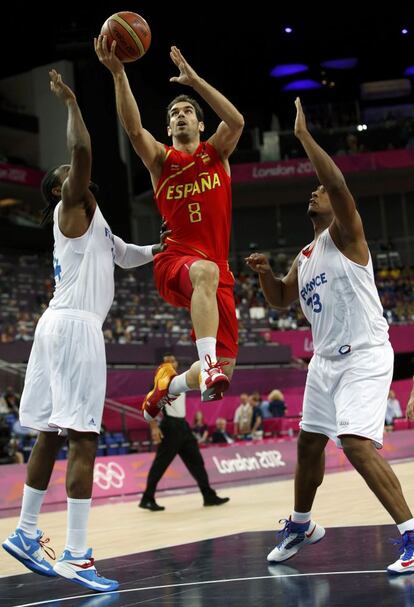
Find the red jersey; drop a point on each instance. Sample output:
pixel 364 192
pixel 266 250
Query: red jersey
pixel 194 196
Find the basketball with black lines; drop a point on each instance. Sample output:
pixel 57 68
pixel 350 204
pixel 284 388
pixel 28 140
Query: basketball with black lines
pixel 132 35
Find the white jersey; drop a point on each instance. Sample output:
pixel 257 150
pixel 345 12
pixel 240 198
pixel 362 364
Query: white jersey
pixel 84 268
pixel 177 407
pixel 340 300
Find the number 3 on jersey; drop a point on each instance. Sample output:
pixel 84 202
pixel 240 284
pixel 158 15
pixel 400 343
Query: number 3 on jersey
pixel 315 302
pixel 194 211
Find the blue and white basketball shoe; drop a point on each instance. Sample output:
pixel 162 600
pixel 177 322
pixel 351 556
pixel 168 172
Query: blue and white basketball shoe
pixel 81 570
pixel 293 537
pixel 29 551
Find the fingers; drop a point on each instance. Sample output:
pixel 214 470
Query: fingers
pixel 258 263
pixel 101 47
pixel 176 55
pixel 55 79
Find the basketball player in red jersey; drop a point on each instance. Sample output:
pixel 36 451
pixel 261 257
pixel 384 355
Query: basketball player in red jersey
pixel 191 181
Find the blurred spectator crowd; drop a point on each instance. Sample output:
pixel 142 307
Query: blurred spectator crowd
pixel 139 315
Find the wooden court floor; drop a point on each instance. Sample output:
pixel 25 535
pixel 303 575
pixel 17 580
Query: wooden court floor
pixel 122 528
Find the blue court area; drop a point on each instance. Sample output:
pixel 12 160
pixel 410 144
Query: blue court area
pixel 346 569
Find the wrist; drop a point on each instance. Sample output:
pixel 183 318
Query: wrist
pixel 197 83
pixel 118 74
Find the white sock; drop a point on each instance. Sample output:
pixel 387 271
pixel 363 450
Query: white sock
pixel 206 346
pixel 407 526
pixel 29 514
pixel 78 514
pixel 178 385
pixel 300 517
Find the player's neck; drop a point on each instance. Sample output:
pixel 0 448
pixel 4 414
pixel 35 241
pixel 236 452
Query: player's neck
pixel 189 147
pixel 320 224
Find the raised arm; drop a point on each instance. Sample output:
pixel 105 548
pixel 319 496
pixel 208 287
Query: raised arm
pixel 75 188
pixel 279 293
pixel 151 151
pixel 229 130
pixel 347 225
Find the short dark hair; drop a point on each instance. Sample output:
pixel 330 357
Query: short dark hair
pixel 49 181
pixel 198 109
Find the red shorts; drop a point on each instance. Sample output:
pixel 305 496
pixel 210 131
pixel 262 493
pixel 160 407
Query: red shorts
pixel 171 271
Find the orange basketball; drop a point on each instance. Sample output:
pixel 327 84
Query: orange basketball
pixel 131 32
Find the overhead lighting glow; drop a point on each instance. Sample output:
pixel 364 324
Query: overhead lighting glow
pixel 347 63
pixel 302 85
pixel 287 69
pixel 409 71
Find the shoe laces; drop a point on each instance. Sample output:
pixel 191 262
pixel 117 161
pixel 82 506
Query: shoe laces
pixel 166 400
pixel 406 545
pixel 216 367
pixel 47 549
pixel 286 532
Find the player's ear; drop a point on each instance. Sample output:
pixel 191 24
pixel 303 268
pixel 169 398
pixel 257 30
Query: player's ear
pixel 56 191
pixel 201 127
pixel 169 131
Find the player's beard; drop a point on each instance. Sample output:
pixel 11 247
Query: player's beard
pixel 183 137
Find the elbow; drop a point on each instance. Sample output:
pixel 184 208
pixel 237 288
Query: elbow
pixel 239 122
pixel 82 146
pixel 135 134
pixel 336 184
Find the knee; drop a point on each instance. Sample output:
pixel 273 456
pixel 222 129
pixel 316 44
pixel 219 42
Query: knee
pixel 357 449
pixel 49 442
pixel 310 447
pixel 204 273
pixel 82 447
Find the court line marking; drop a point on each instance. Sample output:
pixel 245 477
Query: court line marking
pixel 201 583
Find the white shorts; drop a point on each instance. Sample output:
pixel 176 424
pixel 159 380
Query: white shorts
pixel 348 394
pixel 65 380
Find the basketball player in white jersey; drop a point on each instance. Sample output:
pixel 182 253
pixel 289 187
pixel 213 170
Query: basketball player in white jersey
pixel 350 373
pixel 65 381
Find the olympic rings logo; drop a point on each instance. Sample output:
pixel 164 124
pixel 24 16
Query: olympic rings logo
pixel 108 475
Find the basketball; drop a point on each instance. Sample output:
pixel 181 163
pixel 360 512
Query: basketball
pixel 132 35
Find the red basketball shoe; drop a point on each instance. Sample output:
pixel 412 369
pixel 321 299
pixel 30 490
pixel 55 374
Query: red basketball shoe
pixel 156 400
pixel 213 381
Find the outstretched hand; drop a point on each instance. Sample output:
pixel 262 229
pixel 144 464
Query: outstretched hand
pixel 59 88
pixel 258 263
pixel 156 434
pixel 107 55
pixel 300 122
pixel 187 74
pixel 164 233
